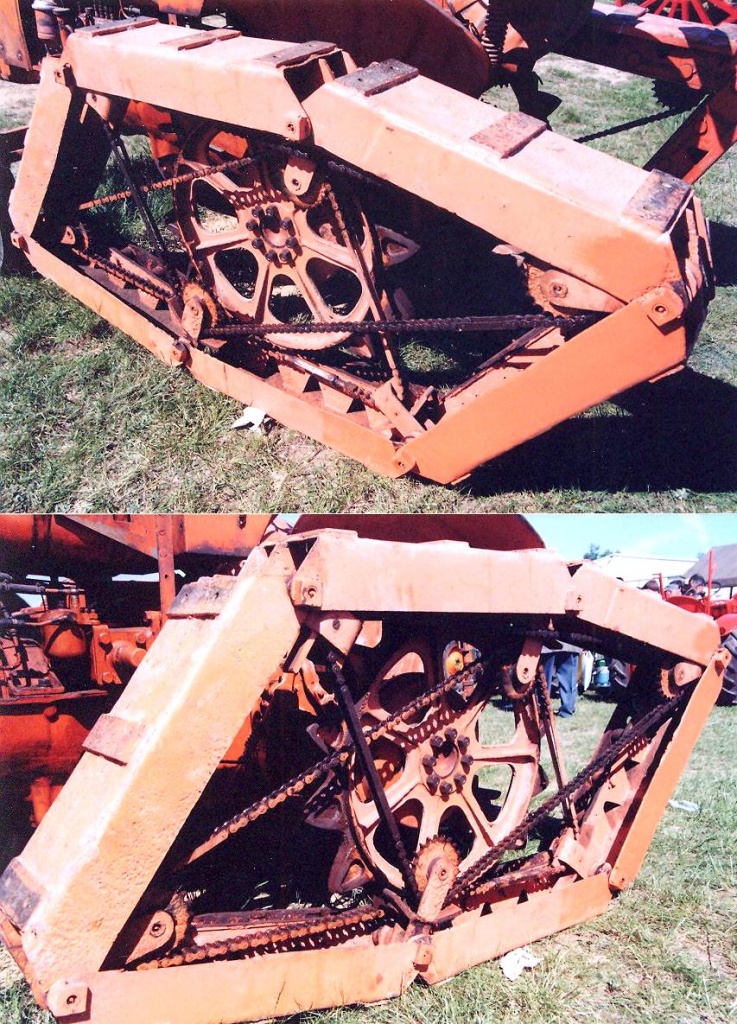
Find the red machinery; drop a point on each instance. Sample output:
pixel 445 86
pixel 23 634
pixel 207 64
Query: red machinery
pixel 335 229
pixel 708 12
pixel 700 598
pixel 308 793
pixel 72 631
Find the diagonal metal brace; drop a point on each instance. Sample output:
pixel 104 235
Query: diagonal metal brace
pixel 372 776
pixel 120 153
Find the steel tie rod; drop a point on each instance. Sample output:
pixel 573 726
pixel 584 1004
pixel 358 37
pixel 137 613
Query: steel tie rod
pixel 378 794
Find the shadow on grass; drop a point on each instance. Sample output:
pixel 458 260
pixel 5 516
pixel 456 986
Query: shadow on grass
pixel 680 433
pixel 724 251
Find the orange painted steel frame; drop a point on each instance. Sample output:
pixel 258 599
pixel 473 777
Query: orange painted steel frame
pixel 434 36
pixel 43 725
pixel 704 59
pixel 42 732
pixel 638 250
pixel 67 896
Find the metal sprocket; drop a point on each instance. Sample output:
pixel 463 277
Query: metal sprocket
pixel 427 854
pixel 442 781
pixel 272 240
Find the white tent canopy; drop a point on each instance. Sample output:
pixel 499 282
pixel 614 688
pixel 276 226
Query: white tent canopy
pixel 638 569
pixel 724 562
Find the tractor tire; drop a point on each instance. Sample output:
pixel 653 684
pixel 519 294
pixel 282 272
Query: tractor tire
pixel 728 695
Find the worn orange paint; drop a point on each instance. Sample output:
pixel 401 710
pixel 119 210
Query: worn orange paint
pixel 231 647
pixel 636 251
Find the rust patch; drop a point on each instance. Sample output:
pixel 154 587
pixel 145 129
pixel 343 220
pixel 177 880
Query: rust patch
pixel 379 77
pixel 113 738
pixel 627 14
pixel 511 134
pixel 201 39
pixel 659 200
pixel 288 56
pixel 13 45
pixel 119 26
pixel 19 893
pixel 203 599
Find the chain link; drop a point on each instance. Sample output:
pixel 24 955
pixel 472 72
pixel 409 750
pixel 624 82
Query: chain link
pixel 177 179
pixel 469 880
pixel 313 923
pixel 295 786
pixel 406 325
pixel 625 126
pixel 143 284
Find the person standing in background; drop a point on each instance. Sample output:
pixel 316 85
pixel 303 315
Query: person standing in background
pixel 563 663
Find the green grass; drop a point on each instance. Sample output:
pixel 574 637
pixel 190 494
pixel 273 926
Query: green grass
pixel 665 952
pixel 89 422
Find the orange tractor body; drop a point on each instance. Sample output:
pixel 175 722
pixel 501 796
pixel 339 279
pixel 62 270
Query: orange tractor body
pixel 309 791
pixel 66 655
pixel 333 227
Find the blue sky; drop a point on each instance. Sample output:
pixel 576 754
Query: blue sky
pixel 679 535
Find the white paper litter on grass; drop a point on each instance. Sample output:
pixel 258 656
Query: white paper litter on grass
pixel 514 962
pixel 252 419
pixel 685 805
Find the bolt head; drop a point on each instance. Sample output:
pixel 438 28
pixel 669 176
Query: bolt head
pixel 428 762
pixel 466 760
pixel 433 781
pixel 463 743
pixel 436 742
pixel 451 734
pixel 446 789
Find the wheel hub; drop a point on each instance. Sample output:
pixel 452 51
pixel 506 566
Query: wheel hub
pixel 272 241
pixel 441 779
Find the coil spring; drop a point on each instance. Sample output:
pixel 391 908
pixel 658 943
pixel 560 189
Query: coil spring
pixel 495 31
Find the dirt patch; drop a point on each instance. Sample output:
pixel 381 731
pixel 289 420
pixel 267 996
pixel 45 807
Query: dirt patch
pixel 706 954
pixel 584 70
pixel 301 451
